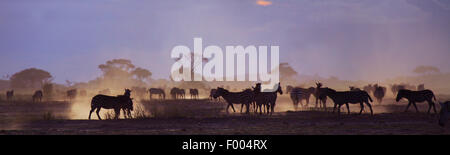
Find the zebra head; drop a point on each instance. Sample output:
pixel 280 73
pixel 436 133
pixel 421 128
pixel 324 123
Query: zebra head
pixel 219 92
pixel 279 90
pixel 400 94
pixel 127 92
pixel 318 84
pixel 443 114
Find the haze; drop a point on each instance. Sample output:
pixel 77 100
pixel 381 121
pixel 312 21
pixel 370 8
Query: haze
pixel 350 39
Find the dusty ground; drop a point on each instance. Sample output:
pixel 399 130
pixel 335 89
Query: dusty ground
pixel 204 117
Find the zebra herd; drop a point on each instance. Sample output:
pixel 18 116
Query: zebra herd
pixel 264 101
pixel 37 96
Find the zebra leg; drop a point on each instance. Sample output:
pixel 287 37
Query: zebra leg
pixel 325 105
pixel 117 112
pixel 370 107
pixel 417 110
pixel 98 111
pixel 92 110
pixel 362 108
pixel 335 105
pixel 232 107
pixel 409 104
pixel 348 109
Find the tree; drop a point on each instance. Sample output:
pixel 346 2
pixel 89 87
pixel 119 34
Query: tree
pixel 141 73
pixel 30 78
pixel 426 69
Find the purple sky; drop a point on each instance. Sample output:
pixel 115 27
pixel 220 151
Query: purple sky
pixel 351 39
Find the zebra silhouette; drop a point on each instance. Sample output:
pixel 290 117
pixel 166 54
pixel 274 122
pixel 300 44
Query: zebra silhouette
pixel 193 93
pixel 112 102
pixel 244 98
pixel 37 96
pixel 157 91
pixel 346 97
pixel 298 94
pixel 9 95
pixel 417 96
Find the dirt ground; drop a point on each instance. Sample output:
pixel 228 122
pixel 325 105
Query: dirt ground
pixel 203 117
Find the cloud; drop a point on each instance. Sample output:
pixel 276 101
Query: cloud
pixel 263 3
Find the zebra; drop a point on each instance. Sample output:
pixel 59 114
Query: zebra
pixel 193 93
pixel 267 98
pixel 298 94
pixel 443 114
pixel 157 91
pixel 37 96
pixel 346 97
pixel 182 93
pixel 417 96
pixel 379 93
pixel 71 94
pixel 174 92
pixel 112 102
pixel 243 98
pixel 320 95
pixel 9 95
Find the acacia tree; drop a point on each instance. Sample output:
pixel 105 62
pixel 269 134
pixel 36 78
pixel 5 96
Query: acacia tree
pixel 30 78
pixel 124 72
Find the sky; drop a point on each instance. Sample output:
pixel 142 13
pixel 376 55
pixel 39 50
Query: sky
pixel 349 39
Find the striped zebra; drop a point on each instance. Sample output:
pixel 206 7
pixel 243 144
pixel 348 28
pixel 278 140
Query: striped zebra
pixel 320 96
pixel 9 95
pixel 37 96
pixel 443 114
pixel 346 97
pixel 298 94
pixel 267 99
pixel 193 93
pixel 177 93
pixel 117 103
pixel 157 91
pixel 379 93
pixel 244 98
pixel 417 96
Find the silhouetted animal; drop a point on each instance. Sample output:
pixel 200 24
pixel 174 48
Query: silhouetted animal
pixel 243 98
pixel 443 114
pixel 157 91
pixel 417 96
pixel 320 96
pixel 289 89
pixel 298 94
pixel 193 93
pixel 182 93
pixel 9 95
pixel 71 94
pixel 266 98
pixel 379 93
pixel 396 87
pixel 112 102
pixel 346 97
pixel 37 96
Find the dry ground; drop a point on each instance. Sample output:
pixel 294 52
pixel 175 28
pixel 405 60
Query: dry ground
pixel 192 117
